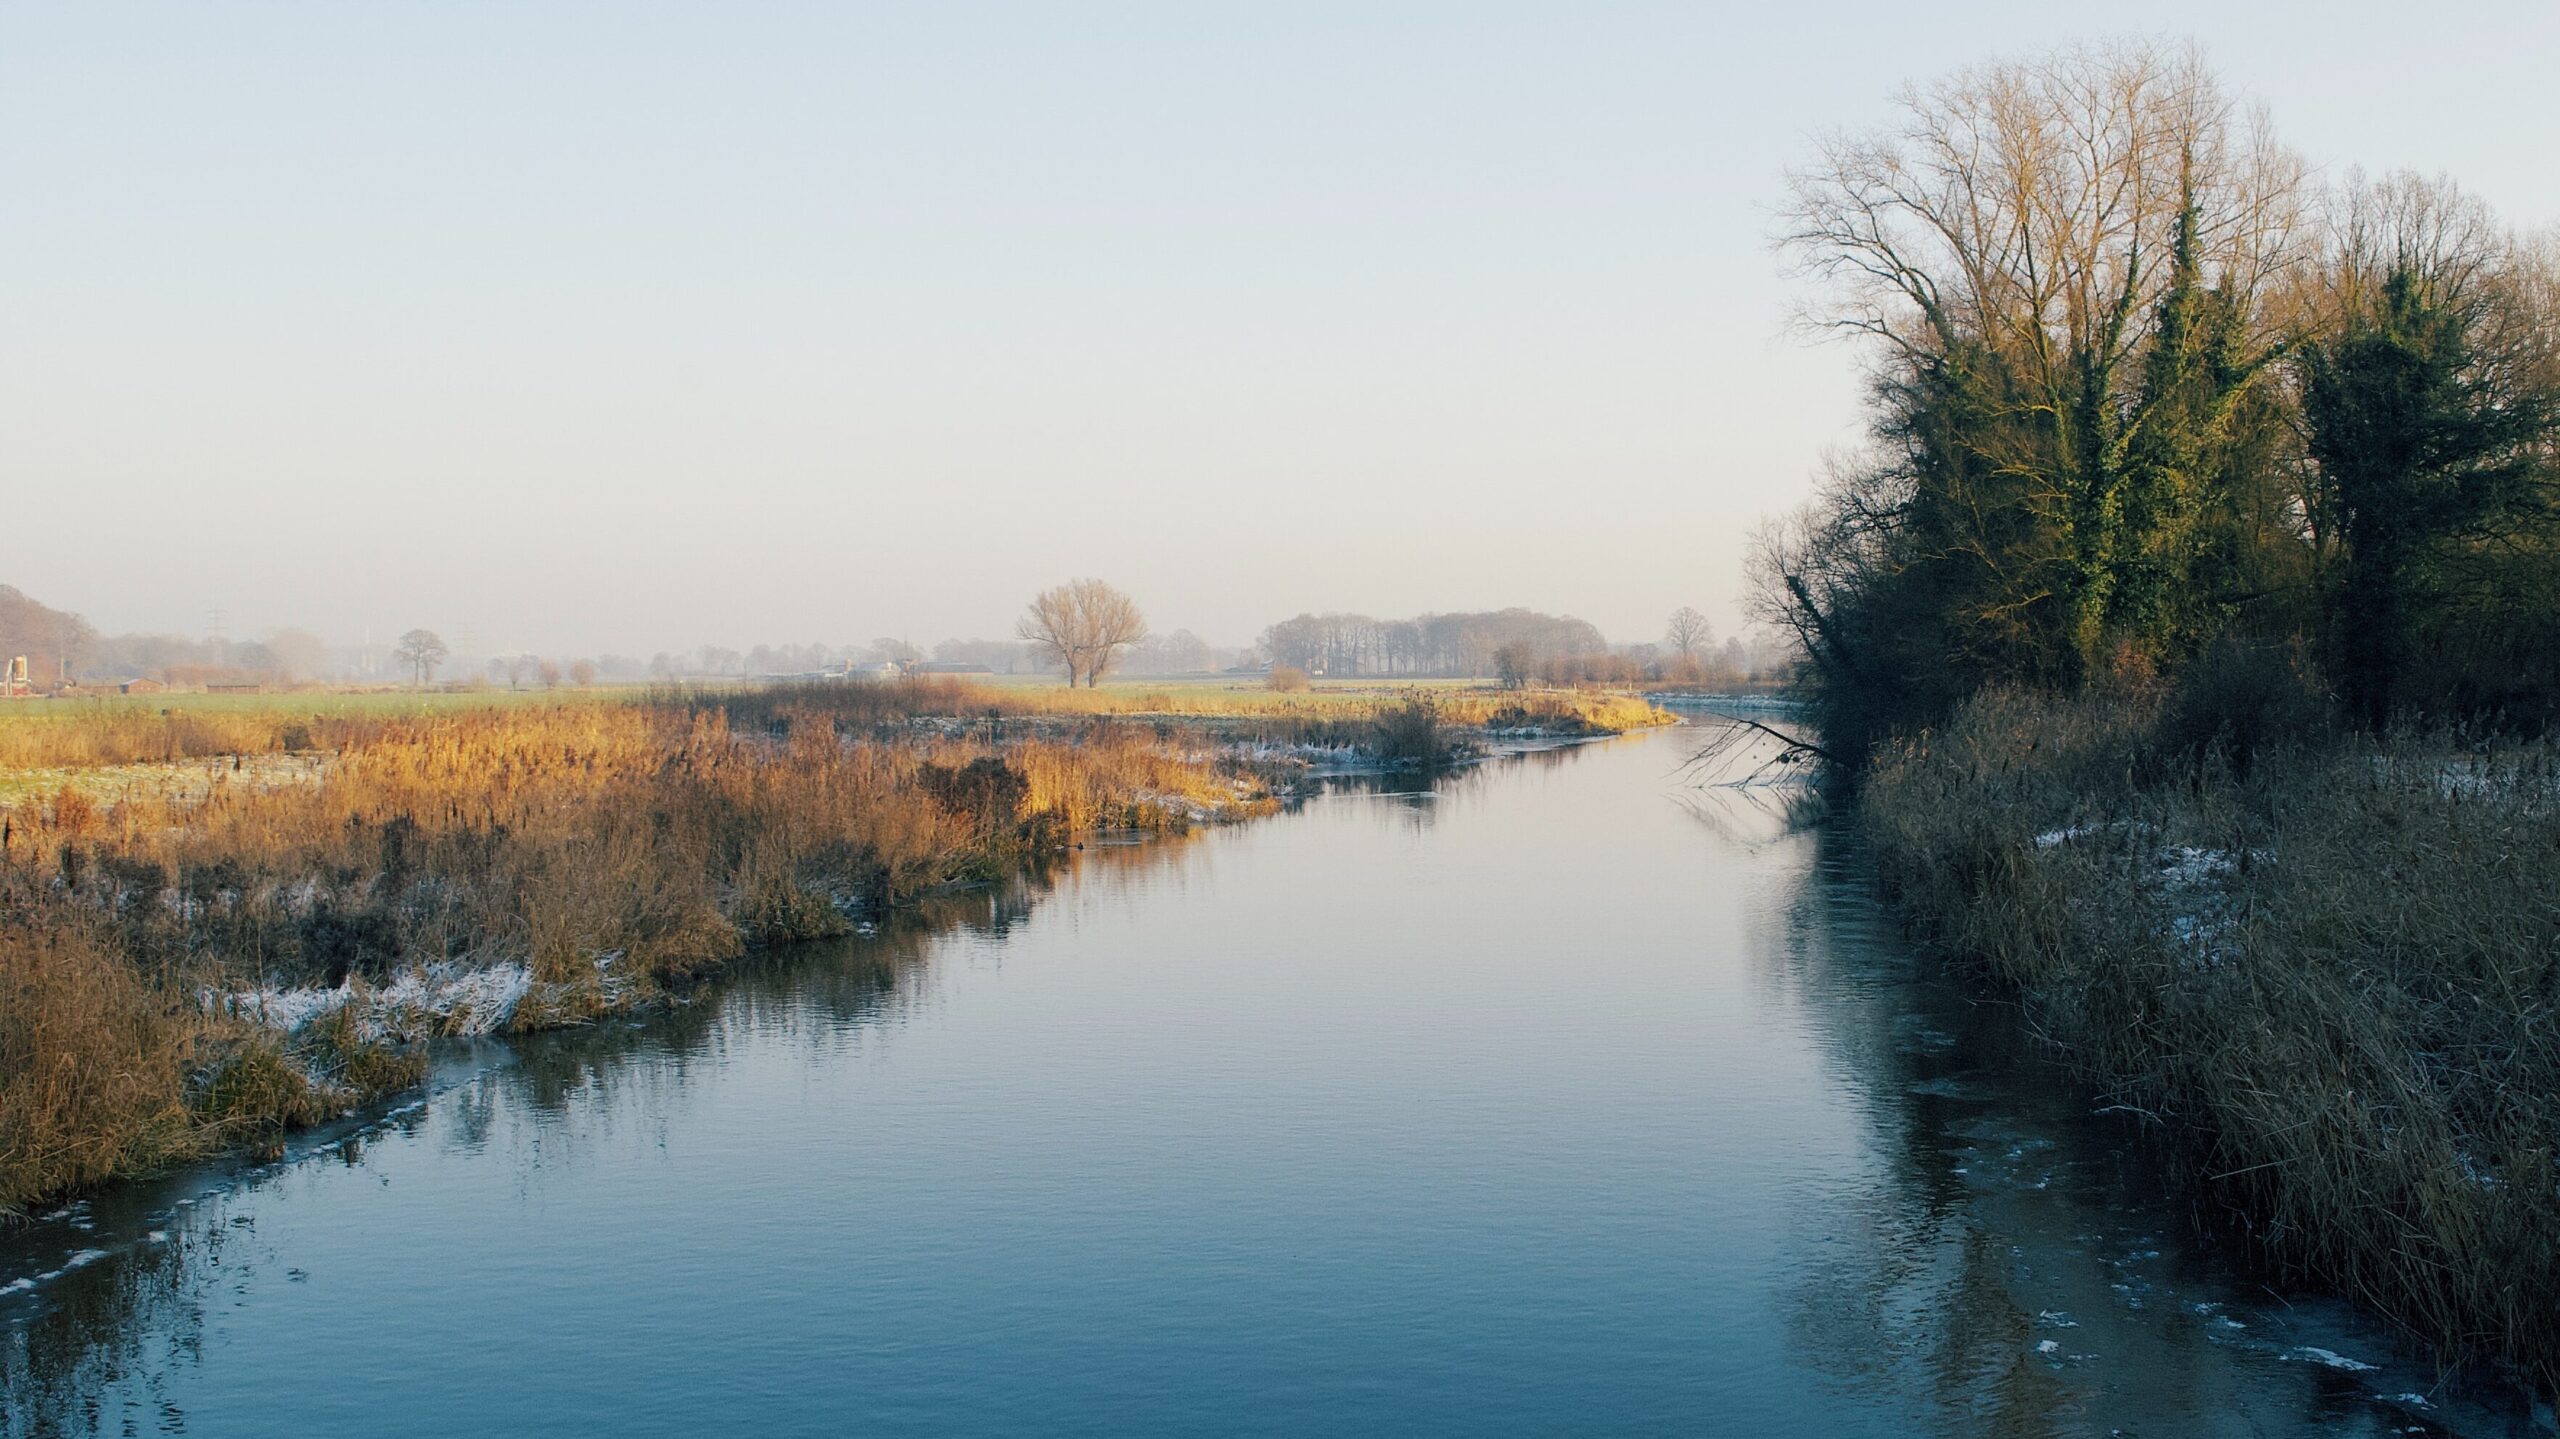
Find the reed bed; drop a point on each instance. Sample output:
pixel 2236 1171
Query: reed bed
pixel 184 967
pixel 1558 711
pixel 2328 967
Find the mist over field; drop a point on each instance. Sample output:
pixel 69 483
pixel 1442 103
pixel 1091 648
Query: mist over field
pixel 586 330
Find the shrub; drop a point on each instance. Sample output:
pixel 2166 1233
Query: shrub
pixel 1410 734
pixel 1288 679
pixel 91 1067
pixel 2243 697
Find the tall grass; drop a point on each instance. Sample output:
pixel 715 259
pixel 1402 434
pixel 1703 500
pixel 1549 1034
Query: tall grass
pixel 2330 963
pixel 602 851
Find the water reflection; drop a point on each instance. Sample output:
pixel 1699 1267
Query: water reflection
pixel 2016 1269
pixel 1550 1095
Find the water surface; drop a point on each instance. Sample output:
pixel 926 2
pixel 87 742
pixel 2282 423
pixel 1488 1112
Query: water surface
pixel 1559 1098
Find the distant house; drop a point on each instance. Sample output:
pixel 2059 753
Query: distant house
pixel 878 670
pixel 141 687
pixel 938 667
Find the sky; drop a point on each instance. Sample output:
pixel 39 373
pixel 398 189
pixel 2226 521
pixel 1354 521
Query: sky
pixel 588 327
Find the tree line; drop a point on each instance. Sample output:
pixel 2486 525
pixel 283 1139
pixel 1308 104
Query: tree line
pixel 1084 629
pixel 2144 395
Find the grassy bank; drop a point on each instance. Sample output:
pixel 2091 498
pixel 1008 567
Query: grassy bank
pixel 2329 965
pixel 220 921
pixel 187 965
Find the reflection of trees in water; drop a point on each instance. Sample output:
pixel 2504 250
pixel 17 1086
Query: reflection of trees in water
pixel 1744 818
pixel 1996 1198
pixel 1903 1287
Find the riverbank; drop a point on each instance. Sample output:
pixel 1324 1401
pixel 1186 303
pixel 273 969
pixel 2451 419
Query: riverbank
pixel 216 927
pixel 2328 966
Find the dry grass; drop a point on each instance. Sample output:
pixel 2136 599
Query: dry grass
pixel 608 850
pixel 1573 711
pixel 2337 973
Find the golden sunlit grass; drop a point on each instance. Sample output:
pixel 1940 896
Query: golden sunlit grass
pixel 369 870
pixel 600 851
pixel 1463 703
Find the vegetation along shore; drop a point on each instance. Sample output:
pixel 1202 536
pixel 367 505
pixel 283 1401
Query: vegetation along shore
pixel 221 922
pixel 2190 631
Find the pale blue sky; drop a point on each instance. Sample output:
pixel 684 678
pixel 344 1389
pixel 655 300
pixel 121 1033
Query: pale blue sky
pixel 638 326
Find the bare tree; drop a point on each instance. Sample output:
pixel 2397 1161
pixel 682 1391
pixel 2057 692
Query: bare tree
pixel 1083 625
pixel 421 651
pixel 1688 632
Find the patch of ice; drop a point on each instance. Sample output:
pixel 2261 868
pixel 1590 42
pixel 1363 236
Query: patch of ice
pixel 83 1257
pixel 2048 1346
pixel 2330 1358
pixel 2414 1401
pixel 17 1286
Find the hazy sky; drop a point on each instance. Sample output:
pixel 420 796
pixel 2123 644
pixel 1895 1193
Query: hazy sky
pixel 625 326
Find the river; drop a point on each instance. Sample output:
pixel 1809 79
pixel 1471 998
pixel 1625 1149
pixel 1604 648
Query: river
pixel 1559 1097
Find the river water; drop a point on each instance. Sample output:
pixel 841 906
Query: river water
pixel 1557 1098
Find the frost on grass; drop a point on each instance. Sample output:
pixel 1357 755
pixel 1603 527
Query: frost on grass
pixel 440 998
pixel 2192 883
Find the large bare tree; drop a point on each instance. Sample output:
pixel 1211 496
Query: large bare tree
pixel 421 651
pixel 2019 238
pixel 1083 625
pixel 1687 631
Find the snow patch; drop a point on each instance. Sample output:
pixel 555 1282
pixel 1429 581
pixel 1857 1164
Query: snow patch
pixel 443 997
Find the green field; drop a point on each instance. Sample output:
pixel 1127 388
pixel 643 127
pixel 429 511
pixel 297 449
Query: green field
pixel 313 702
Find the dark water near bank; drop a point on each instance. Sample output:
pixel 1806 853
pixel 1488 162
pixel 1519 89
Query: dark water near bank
pixel 1559 1100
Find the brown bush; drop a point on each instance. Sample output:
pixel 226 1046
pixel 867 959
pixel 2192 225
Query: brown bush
pixel 92 1067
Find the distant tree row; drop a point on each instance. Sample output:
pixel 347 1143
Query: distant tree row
pixel 1084 629
pixel 1442 645
pixel 2141 390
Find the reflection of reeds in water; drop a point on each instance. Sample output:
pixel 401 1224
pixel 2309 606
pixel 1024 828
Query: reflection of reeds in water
pixel 98 1319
